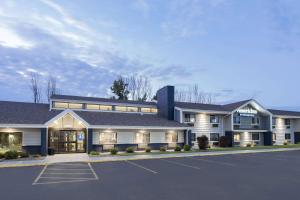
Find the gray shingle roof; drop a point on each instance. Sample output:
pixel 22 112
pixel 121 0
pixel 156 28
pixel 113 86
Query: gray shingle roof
pixel 211 107
pixel 30 113
pixel 25 113
pixel 126 119
pixel 285 113
pixel 96 99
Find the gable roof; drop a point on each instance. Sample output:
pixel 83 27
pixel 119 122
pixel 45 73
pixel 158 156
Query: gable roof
pixel 285 113
pixel 25 113
pixel 233 106
pixel 97 99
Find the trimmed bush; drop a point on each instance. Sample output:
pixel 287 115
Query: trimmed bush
pixel 94 153
pixel 186 147
pixel 202 142
pixel 178 148
pixel 223 141
pixel 285 143
pixel 129 150
pixel 248 145
pixel 113 151
pixel 162 149
pixel 23 154
pixel 11 155
pixel 148 150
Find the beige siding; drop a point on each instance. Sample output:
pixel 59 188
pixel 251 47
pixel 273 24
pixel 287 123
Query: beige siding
pixel 281 130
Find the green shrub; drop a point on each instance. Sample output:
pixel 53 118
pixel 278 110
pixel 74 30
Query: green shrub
pixel 129 150
pixel 248 145
pixel 148 150
pixel 285 143
pixel 162 149
pixel 223 141
pixel 178 148
pixel 1 155
pixel 11 155
pixel 113 151
pixel 186 147
pixel 94 153
pixel 202 142
pixel 23 154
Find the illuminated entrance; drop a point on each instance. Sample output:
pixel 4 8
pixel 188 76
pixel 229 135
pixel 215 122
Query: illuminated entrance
pixel 67 135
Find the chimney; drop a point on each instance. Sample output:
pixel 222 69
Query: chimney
pixel 165 102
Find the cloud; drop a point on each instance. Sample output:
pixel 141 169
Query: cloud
pixel 9 38
pixel 186 18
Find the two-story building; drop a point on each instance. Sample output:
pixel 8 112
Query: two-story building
pixel 70 124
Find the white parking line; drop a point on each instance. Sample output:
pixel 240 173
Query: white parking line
pixel 38 178
pixel 140 166
pixel 181 164
pixel 212 161
pixel 58 171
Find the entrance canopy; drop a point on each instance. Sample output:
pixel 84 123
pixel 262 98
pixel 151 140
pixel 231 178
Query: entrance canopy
pixel 67 120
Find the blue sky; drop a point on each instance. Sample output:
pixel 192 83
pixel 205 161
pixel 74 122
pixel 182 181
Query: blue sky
pixel 231 48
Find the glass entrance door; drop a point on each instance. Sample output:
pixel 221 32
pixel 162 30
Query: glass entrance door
pixel 67 141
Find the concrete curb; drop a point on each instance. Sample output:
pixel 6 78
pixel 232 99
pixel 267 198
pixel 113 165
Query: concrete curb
pixel 145 157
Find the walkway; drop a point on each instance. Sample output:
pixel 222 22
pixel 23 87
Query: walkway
pixel 83 157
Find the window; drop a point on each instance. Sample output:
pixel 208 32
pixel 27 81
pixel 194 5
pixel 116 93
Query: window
pixel 255 120
pixel 60 105
pixel 287 123
pixel 274 137
pixel 237 137
pixel 274 121
pixel 236 120
pixel 108 138
pixel 214 137
pixel 189 118
pixel 287 136
pixel 126 109
pixel 214 119
pixel 75 105
pixel 255 136
pixel 171 137
pixel 142 138
pixel 104 107
pixel 149 110
pixel 92 106
pixel 154 110
pixel 11 141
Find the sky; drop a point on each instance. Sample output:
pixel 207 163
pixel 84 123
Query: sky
pixel 232 49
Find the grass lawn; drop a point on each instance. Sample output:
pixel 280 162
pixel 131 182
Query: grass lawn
pixel 208 150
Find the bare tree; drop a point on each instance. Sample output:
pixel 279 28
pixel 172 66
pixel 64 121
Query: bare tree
pixel 51 87
pixel 194 95
pixel 140 88
pixel 35 87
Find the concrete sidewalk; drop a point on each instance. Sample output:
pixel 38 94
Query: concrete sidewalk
pixel 83 157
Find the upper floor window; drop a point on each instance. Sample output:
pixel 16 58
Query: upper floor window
pixel 126 109
pixel 189 118
pixel 214 119
pixel 236 120
pixel 287 122
pixel 66 105
pixel 255 120
pixel 98 107
pixel 149 110
pixel 274 121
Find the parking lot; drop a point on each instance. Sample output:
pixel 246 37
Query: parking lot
pixel 242 176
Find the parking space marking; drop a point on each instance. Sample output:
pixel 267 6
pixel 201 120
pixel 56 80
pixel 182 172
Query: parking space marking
pixel 39 176
pixel 48 174
pixel 212 161
pixel 181 164
pixel 140 166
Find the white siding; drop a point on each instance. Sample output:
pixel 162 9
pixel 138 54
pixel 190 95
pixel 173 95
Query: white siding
pixel 202 126
pixel 96 137
pixel 180 137
pixel 157 137
pixel 30 137
pixel 246 138
pixel 281 130
pixel 125 137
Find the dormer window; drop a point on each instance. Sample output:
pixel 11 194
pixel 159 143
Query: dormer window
pixel 126 109
pixel 65 105
pixel 98 107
